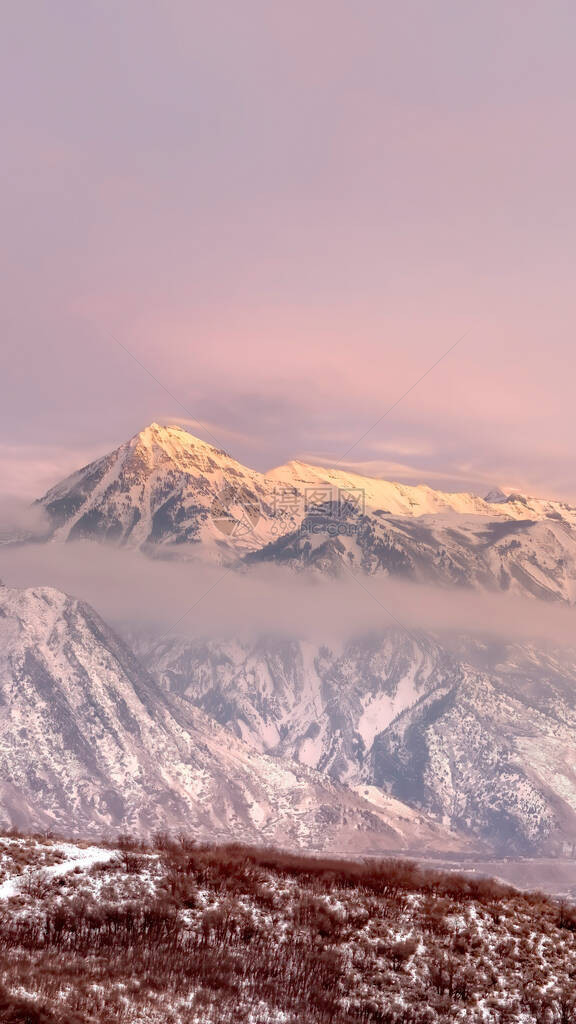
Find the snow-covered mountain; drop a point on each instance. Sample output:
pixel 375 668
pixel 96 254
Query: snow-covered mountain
pixel 89 741
pixel 482 737
pixel 474 744
pixel 302 701
pixel 522 557
pixel 169 493
pixel 403 499
pixel 166 487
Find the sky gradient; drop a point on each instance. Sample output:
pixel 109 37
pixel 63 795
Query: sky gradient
pixel 287 213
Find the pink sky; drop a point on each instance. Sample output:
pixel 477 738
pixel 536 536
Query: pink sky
pixel 288 212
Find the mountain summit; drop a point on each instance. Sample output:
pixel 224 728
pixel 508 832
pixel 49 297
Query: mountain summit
pixel 162 486
pixel 496 495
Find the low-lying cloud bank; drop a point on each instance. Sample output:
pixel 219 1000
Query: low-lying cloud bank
pixel 194 599
pixel 20 519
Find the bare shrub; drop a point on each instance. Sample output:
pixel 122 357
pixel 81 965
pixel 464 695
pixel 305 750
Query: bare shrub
pixel 38 884
pixel 133 863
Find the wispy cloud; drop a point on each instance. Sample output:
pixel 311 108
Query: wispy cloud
pixel 28 470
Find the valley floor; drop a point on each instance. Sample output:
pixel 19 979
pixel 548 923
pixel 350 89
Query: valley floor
pixel 177 933
pixel 554 875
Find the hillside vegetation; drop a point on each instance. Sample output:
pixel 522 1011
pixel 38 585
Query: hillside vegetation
pixel 178 933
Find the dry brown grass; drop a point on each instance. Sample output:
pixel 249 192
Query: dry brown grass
pixel 179 933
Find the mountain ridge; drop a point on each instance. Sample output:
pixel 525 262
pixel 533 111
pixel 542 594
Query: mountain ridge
pixel 177 442
pixel 89 741
pixel 171 495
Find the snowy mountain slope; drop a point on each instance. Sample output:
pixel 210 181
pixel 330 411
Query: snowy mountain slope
pixel 484 757
pixel 484 739
pixel 89 741
pixel 162 486
pixel 407 500
pixel 492 749
pixel 382 495
pixel 169 493
pixel 304 702
pixel 534 559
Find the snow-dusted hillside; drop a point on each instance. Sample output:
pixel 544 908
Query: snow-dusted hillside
pixel 484 739
pixel 177 933
pixel 89 741
pixel 169 493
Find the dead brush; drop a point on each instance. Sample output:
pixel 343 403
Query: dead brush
pixel 133 863
pixel 37 885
